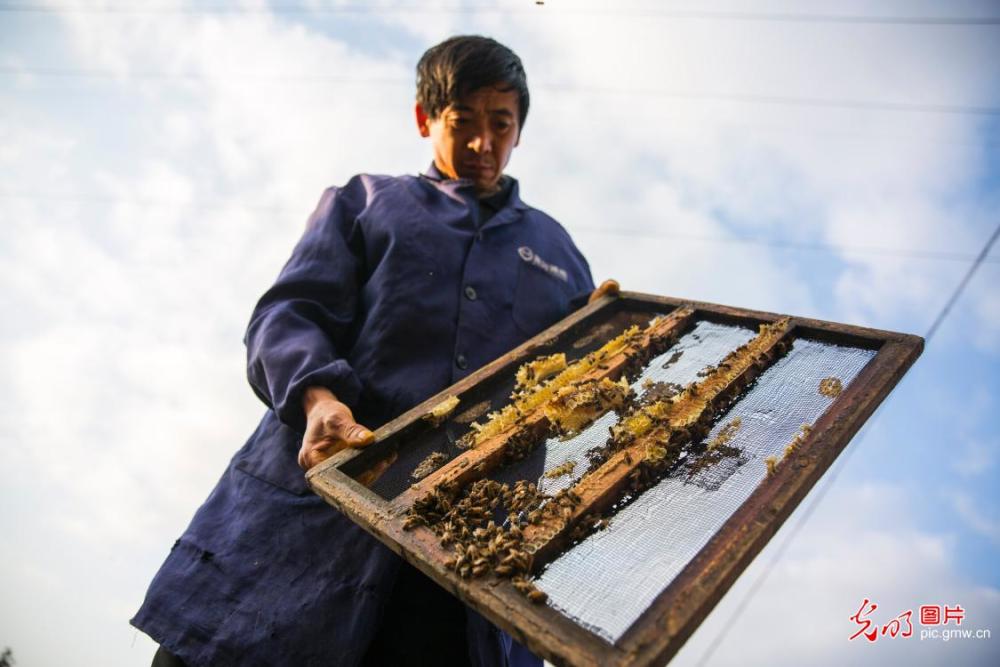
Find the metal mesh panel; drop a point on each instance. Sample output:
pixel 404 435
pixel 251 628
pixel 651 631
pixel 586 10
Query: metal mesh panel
pixel 609 579
pixel 705 345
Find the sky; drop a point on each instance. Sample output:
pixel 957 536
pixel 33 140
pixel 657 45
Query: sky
pixel 832 160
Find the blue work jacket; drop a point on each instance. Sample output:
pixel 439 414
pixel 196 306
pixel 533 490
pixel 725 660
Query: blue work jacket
pixel 394 292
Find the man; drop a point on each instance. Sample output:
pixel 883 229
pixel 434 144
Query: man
pixel 399 287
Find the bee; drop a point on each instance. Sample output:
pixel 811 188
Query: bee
pixel 537 596
pixel 412 521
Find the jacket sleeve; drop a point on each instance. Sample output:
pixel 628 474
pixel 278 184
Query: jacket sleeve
pixel 299 330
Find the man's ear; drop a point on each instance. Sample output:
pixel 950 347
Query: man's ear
pixel 423 122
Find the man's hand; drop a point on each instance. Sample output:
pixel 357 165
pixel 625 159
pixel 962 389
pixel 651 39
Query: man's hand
pixel 609 287
pixel 330 427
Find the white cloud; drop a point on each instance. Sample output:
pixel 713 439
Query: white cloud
pixel 124 391
pixel 975 458
pixel 976 516
pixel 861 543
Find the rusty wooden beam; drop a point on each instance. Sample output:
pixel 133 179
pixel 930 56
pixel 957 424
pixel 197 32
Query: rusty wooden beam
pixel 677 611
pixel 682 605
pixel 601 488
pixel 477 462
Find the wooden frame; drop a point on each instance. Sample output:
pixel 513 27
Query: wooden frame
pixel 678 610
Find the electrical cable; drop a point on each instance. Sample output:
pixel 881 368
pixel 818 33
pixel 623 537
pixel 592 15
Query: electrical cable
pixel 840 465
pixel 745 98
pixel 552 12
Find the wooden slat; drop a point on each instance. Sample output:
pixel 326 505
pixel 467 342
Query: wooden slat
pixel 676 612
pixel 601 488
pixel 498 365
pixel 477 462
pixel 545 631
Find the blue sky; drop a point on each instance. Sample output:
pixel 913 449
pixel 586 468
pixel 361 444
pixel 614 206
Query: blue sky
pixel 158 166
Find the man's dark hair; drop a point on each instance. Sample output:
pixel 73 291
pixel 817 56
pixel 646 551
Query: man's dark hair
pixel 460 65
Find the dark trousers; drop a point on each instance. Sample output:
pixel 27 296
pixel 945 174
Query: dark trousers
pixel 164 658
pixel 423 625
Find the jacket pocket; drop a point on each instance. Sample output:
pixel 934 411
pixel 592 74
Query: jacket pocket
pixel 271 455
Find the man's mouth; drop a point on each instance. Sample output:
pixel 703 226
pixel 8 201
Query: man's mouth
pixel 478 167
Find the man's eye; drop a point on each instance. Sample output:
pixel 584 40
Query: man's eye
pixel 459 121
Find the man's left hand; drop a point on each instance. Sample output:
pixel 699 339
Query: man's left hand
pixel 609 287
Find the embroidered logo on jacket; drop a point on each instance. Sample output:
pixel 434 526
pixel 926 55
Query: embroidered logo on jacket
pixel 529 256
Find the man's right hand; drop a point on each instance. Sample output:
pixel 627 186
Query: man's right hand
pixel 330 427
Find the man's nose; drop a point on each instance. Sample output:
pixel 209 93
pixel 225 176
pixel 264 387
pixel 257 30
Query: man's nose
pixel 481 143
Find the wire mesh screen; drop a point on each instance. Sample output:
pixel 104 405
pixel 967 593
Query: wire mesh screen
pixel 608 580
pixel 705 345
pixel 629 526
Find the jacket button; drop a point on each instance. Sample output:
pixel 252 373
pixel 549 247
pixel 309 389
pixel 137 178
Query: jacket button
pixel 479 237
pixel 470 292
pixel 461 362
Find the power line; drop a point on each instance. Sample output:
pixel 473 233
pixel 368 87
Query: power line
pixel 787 100
pixel 73 73
pixel 546 12
pixel 961 285
pixel 710 96
pixel 903 253
pixel 841 463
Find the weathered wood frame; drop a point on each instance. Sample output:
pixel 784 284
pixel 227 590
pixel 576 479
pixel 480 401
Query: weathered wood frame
pixel 678 610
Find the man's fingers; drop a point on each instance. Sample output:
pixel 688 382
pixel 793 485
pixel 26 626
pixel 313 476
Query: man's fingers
pixel 308 457
pixel 341 428
pixel 315 451
pixel 359 436
pixel 336 425
pixel 609 287
pixel 326 434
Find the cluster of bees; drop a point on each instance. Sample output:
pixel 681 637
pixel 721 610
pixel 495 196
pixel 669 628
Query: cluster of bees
pixel 441 411
pixel 540 382
pixel 831 387
pixel 565 468
pixel 433 461
pixel 484 523
pixel 576 406
pixel 726 433
pixel 467 521
pixel 772 461
pixel 534 372
pixel 674 426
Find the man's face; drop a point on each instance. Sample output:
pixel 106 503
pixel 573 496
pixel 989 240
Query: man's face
pixel 473 137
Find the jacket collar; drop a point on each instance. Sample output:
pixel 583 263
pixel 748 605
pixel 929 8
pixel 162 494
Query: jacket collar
pixel 462 190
